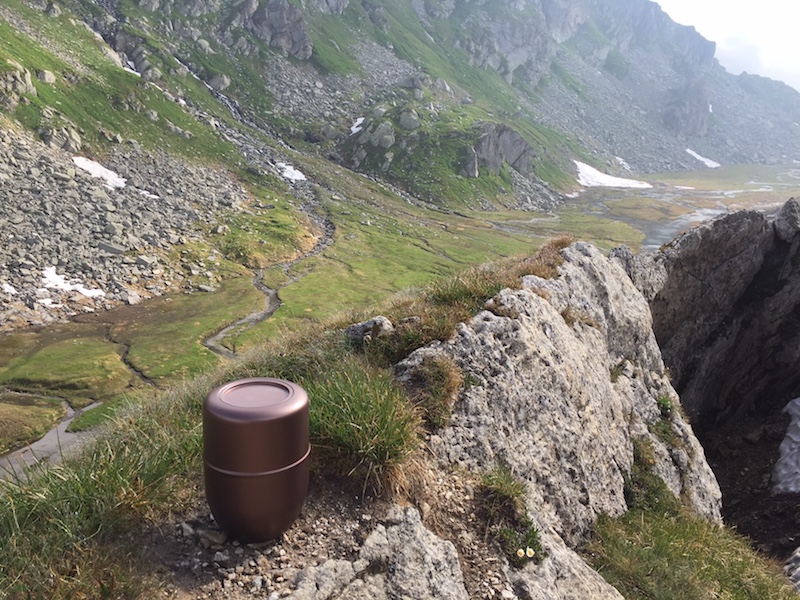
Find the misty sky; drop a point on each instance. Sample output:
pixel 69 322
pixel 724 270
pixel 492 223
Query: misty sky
pixel 757 36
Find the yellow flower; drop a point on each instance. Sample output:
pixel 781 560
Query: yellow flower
pixel 529 552
pixel 521 553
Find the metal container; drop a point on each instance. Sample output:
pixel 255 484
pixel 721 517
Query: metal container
pixel 256 452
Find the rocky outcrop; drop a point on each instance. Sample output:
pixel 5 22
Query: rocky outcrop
pixel 15 81
pixel 565 374
pixel 564 17
pixel 725 299
pixel 500 144
pixel 513 40
pixel 627 23
pixel 401 559
pixel 280 24
pixel 689 111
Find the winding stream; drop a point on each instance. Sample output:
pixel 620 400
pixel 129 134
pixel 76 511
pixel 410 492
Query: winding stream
pixel 215 342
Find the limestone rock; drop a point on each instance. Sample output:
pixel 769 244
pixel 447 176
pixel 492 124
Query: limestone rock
pixel 563 18
pixel 111 55
pixel 543 402
pixel 687 111
pixel 383 135
pixel 282 25
pixel 471 163
pixel 66 138
pixel 498 144
pixel 401 559
pixel 409 119
pixel 15 82
pixel 46 76
pixel 151 74
pixel 359 333
pixel 723 296
pixel 220 82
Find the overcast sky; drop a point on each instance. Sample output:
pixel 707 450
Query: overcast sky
pixel 757 36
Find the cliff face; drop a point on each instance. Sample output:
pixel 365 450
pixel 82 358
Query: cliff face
pixel 724 298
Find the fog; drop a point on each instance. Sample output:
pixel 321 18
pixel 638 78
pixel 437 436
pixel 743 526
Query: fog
pixel 756 37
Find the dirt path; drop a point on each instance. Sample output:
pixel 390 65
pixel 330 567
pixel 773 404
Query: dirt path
pixel 51 448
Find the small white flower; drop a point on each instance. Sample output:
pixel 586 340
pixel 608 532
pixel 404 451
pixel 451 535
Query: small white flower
pixel 521 553
pixel 529 552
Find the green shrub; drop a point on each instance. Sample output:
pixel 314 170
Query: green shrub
pixel 665 405
pixel 644 490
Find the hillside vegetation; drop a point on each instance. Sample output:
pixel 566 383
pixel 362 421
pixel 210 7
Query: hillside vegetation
pixel 75 530
pixel 308 162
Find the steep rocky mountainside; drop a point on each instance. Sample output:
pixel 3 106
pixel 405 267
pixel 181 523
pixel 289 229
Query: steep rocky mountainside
pixel 621 77
pixel 454 104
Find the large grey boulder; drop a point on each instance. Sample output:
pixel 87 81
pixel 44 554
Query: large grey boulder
pixel 282 25
pixel 15 80
pixel 500 144
pixel 564 374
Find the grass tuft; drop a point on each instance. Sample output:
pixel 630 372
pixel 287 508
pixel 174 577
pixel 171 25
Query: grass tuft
pixel 507 523
pixel 362 421
pixel 434 388
pixel 659 550
pixel 438 309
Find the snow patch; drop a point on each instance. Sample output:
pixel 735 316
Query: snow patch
pixel 786 473
pixel 706 161
pixel 290 173
pixel 131 68
pixel 10 289
pixel 357 126
pixel 591 177
pixel 684 187
pixel 53 280
pixel 623 163
pixel 95 169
